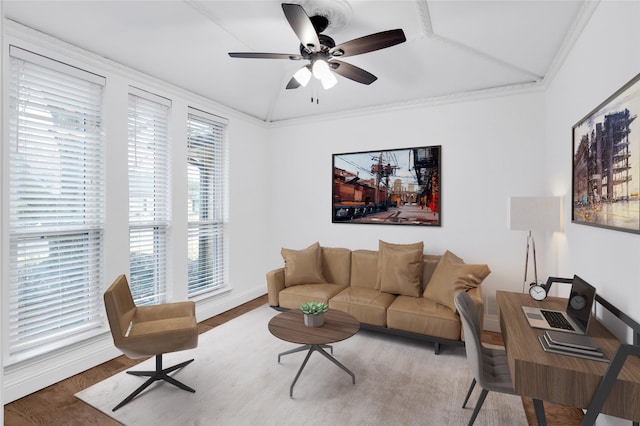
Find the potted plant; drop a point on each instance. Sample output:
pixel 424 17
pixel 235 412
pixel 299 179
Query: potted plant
pixel 314 313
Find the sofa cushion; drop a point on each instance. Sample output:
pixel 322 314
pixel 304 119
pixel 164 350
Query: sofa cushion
pixel 364 269
pixel 303 266
pixel 336 265
pixel 293 297
pixel 429 263
pixel 400 268
pixel 368 305
pixel 451 276
pixel 423 316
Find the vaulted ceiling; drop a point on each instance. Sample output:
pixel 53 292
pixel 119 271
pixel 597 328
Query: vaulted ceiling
pixel 453 48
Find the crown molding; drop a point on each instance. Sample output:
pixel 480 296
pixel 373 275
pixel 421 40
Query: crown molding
pixel 577 27
pixel 468 96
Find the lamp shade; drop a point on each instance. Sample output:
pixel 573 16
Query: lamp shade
pixel 535 213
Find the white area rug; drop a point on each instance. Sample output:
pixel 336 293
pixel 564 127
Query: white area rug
pixel 238 381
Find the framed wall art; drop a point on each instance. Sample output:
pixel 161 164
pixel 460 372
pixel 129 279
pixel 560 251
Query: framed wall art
pixel 606 163
pixel 388 187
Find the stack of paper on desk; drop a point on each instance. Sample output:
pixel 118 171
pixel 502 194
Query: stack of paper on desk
pixel 577 345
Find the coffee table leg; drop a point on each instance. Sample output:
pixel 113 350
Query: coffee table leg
pixel 338 363
pixel 300 349
pixel 304 363
pixel 292 351
pixel 318 348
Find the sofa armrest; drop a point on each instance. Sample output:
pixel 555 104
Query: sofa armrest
pixel 275 284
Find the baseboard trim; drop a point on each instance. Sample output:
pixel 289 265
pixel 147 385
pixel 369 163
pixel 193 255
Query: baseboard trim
pixel 33 375
pixel 30 376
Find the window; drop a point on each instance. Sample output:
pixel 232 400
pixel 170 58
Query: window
pixel 148 196
pixel 56 203
pixel 206 201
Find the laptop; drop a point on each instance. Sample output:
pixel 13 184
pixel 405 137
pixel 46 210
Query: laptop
pixel 574 319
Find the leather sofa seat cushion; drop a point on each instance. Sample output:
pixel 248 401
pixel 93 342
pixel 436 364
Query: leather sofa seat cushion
pixel 336 265
pixel 423 316
pixel 293 297
pixel 368 305
pixel 364 269
pixel 303 266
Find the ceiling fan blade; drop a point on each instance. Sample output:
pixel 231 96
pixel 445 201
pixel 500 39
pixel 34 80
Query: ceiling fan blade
pixel 293 83
pixel 253 55
pixel 352 72
pixel 301 25
pixel 369 43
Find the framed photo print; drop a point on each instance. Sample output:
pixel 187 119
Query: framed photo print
pixel 387 187
pixel 606 163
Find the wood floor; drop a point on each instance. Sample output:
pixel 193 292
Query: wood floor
pixel 57 405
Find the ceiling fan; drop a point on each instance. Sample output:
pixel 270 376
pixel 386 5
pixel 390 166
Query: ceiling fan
pixel 321 50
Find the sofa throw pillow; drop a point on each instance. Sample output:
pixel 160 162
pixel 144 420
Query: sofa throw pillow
pixel 303 266
pixel 452 276
pixel 364 269
pixel 400 268
pixel 429 263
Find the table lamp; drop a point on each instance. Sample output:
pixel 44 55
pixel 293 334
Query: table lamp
pixel 534 214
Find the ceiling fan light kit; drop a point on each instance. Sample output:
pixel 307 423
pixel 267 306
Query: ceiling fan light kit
pixel 329 81
pixel 321 50
pixel 321 72
pixel 303 75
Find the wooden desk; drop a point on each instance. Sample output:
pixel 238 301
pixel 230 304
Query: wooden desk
pixel 562 379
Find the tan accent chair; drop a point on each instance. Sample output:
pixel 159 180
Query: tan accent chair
pixel 142 331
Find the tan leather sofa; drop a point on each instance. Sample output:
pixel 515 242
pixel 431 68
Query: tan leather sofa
pixel 396 289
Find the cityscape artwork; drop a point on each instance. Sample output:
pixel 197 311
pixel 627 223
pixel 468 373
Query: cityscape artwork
pixel 387 187
pixel 606 163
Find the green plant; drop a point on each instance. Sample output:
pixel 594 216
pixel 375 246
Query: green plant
pixel 314 308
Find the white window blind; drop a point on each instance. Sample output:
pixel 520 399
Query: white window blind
pixel 207 168
pixel 56 204
pixel 148 195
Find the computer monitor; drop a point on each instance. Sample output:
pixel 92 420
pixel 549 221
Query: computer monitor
pixel 580 302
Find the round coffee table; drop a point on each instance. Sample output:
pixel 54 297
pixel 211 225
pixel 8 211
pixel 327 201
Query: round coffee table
pixel 289 326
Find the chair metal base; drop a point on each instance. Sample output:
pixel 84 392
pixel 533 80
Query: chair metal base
pixel 158 374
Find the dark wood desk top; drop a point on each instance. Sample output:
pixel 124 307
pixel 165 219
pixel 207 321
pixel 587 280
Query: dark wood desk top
pixel 289 326
pixel 563 379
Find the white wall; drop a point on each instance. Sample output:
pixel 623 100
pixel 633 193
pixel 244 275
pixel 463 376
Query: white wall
pixel 492 148
pixel 2 114
pixel 604 58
